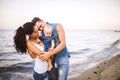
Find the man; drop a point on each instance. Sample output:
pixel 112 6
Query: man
pixel 60 51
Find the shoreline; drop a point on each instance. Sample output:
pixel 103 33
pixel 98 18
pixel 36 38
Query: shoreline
pixel 94 59
pixel 23 71
pixel 106 70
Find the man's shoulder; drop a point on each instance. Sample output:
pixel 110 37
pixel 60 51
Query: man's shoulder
pixel 51 23
pixel 54 24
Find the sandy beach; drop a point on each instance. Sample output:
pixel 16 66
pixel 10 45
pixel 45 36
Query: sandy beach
pixel 107 70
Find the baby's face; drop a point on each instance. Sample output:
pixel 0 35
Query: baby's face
pixel 48 34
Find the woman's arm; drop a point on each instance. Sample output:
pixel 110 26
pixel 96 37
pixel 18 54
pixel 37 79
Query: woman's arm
pixel 33 49
pixel 32 55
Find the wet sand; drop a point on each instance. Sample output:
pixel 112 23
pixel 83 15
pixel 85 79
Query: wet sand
pixel 106 70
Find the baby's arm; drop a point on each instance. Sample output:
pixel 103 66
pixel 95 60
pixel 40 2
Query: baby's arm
pixel 52 45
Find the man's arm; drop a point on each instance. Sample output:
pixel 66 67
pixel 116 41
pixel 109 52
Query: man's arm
pixel 61 46
pixel 61 37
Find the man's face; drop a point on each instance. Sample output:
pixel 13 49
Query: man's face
pixel 40 25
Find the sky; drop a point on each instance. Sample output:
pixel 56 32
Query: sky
pixel 72 14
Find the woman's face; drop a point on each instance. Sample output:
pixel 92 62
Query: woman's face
pixel 35 33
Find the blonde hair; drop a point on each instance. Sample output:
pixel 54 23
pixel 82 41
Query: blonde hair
pixel 48 29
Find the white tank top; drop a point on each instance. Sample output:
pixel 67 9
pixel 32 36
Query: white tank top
pixel 40 66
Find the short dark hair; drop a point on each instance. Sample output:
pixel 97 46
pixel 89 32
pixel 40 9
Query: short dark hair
pixel 35 19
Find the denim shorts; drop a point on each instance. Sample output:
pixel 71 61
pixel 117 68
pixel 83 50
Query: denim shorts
pixel 43 76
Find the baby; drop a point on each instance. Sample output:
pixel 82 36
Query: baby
pixel 48 41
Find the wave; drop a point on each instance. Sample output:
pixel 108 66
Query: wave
pixel 108 52
pixel 27 66
pixel 117 42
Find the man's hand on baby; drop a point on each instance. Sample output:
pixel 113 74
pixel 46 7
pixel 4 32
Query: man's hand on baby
pixel 45 56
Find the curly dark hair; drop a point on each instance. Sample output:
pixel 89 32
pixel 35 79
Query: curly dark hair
pixel 20 36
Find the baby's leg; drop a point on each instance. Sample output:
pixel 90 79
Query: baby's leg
pixel 49 64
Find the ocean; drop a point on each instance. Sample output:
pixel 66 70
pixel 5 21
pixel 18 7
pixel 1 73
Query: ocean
pixel 82 42
pixel 77 40
pixel 87 48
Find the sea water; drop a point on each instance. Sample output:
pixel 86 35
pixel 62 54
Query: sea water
pixel 81 44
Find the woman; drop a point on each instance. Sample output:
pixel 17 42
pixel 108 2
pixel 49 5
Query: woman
pixel 22 45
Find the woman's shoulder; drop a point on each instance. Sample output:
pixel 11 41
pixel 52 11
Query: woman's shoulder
pixel 28 42
pixel 38 42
